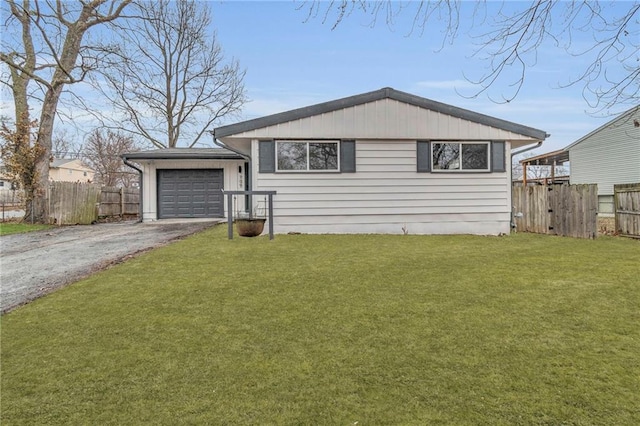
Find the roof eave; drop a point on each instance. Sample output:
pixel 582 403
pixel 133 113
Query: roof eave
pixel 151 156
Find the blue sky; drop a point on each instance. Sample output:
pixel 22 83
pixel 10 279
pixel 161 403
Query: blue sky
pixel 291 63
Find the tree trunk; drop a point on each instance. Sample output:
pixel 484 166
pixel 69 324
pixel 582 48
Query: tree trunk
pixel 61 76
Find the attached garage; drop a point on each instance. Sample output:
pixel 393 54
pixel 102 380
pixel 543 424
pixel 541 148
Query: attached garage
pixel 193 193
pixel 187 182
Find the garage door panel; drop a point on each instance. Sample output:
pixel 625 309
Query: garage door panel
pixel 190 193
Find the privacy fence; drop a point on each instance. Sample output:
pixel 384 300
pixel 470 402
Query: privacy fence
pixel 627 209
pixel 119 201
pixel 567 210
pixel 71 203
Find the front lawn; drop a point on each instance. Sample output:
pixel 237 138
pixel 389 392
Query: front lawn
pixel 344 330
pixel 7 228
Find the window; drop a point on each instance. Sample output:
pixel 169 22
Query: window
pixel 460 156
pixel 307 156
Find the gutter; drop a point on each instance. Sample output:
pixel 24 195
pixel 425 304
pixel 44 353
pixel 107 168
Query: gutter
pixel 245 156
pixel 249 180
pixel 537 145
pixel 222 145
pixel 133 166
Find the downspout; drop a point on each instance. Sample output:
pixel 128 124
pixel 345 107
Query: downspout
pixel 133 166
pixel 513 154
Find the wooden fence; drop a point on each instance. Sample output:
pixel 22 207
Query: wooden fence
pixel 72 203
pixel 567 210
pixel 627 209
pixel 119 201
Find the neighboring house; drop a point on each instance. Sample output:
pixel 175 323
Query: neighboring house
pixel 607 156
pixel 5 182
pixel 66 170
pixel 379 162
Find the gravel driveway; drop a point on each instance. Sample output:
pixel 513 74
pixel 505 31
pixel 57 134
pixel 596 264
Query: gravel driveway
pixel 35 263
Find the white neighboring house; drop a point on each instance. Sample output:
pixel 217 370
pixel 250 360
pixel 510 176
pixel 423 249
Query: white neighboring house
pixel 382 162
pixel 70 170
pixel 5 182
pixel 607 156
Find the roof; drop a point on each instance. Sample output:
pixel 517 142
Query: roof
pixel 68 163
pixel 555 157
pixel 183 153
pixel 562 155
pixel 607 124
pixel 384 93
pixel 58 162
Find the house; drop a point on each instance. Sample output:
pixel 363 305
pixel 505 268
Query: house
pixel 379 162
pixel 70 170
pixel 607 156
pixel 5 180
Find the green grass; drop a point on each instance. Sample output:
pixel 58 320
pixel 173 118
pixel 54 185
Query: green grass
pixel 462 330
pixel 7 228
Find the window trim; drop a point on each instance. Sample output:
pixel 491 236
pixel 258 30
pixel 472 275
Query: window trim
pixel 488 144
pixel 307 142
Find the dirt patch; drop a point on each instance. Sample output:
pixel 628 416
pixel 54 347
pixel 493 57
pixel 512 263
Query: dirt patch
pixel 36 263
pixel 606 226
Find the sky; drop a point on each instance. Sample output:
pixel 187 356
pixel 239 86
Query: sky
pixel 292 61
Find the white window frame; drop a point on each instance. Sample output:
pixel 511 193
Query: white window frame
pixel 460 169
pixel 307 142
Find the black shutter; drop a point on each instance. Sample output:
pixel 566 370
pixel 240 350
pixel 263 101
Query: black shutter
pixel 497 157
pixel 267 156
pixel 423 156
pixel 348 156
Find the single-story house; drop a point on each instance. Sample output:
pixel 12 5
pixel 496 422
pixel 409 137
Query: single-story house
pixel 379 162
pixel 607 156
pixel 70 170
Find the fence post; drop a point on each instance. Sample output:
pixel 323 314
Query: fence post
pixel 121 202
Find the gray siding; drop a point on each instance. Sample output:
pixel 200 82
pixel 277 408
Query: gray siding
pixel 387 194
pixel 608 156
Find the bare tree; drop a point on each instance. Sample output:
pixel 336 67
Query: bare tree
pixel 102 152
pixel 63 145
pixel 42 43
pixel 171 81
pixel 510 34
